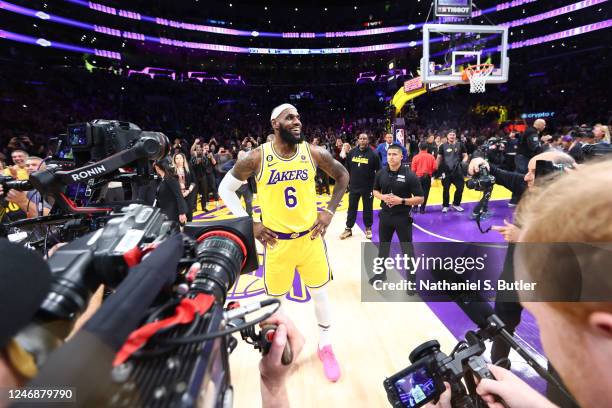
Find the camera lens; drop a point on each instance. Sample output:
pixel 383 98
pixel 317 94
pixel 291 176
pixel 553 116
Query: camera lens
pixel 221 259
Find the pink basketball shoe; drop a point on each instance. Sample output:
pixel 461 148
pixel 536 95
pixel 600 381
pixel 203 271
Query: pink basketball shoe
pixel 330 364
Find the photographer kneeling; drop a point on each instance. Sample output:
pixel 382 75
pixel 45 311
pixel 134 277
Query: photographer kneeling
pixel 576 336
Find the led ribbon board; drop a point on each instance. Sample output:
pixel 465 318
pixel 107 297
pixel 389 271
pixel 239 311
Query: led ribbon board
pixel 181 25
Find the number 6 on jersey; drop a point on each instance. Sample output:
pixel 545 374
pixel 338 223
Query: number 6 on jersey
pixel 290 199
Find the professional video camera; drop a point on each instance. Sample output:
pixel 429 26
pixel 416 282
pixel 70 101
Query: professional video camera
pixel 8 183
pixel 591 150
pixel 581 131
pixel 111 145
pixel 180 357
pixel 423 381
pixel 482 181
pixel 100 138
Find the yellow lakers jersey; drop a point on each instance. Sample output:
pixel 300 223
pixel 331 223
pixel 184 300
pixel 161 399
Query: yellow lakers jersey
pixel 286 189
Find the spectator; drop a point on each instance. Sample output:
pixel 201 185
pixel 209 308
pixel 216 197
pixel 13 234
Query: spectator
pixel 383 147
pixel 169 198
pixel 18 170
pixel 186 181
pixel 424 165
pixel 222 158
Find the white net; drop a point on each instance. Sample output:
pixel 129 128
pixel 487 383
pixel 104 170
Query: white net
pixel 478 77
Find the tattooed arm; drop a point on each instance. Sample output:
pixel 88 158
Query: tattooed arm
pixel 338 172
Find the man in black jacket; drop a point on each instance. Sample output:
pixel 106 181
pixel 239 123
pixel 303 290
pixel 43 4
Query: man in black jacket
pixel 529 145
pixel 362 164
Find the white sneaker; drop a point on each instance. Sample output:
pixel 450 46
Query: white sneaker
pixel 458 208
pixel 444 210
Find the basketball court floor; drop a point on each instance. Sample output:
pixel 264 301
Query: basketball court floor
pixel 372 340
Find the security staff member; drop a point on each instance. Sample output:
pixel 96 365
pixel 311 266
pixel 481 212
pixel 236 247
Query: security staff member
pixel 399 189
pixel 362 164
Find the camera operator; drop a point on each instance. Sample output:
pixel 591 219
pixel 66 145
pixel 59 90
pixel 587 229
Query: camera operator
pixel 450 157
pixel 510 312
pixel 594 144
pixel 273 374
pixel 529 145
pixel 576 336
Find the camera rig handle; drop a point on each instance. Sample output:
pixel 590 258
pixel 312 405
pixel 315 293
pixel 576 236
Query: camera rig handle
pixel 52 181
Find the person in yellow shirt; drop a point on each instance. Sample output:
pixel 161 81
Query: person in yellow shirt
pixel 292 229
pixel 19 170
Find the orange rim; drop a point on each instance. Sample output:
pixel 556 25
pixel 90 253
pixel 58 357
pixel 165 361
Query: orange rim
pixel 475 69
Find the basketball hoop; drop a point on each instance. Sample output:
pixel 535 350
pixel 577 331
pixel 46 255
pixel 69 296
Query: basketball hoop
pixel 477 75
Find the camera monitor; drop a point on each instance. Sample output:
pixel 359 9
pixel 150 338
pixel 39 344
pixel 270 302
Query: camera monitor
pixel 414 386
pixel 80 136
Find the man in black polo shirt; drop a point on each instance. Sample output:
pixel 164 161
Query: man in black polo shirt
pixel 399 189
pixel 362 164
pixel 450 156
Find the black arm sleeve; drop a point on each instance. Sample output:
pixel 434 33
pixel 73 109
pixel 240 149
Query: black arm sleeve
pixel 176 191
pixel 514 182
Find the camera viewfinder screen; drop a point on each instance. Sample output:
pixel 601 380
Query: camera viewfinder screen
pixel 416 388
pixel 77 135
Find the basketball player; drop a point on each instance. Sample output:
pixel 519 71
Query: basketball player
pixel 291 229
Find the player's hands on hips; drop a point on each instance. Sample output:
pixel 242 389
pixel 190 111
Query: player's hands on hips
pixel 320 226
pixel 273 371
pixel 264 235
pixel 514 391
pixel 473 167
pixel 444 401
